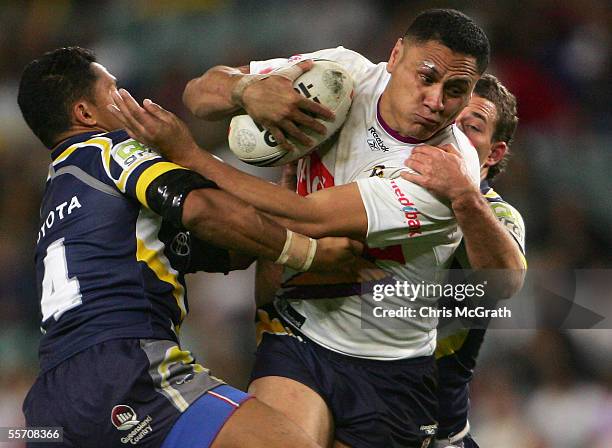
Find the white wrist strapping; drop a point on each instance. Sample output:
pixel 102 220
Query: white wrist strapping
pixel 312 250
pixel 241 85
pixel 298 252
pixel 284 256
pixel 291 72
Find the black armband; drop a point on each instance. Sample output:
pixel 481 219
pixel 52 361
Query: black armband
pixel 166 194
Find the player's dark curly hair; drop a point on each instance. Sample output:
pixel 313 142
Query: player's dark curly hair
pixel 49 87
pixel 490 88
pixel 454 30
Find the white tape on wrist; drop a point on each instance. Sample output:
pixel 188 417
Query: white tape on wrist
pixel 284 255
pixel 312 250
pixel 291 73
pixel 241 85
pixel 298 252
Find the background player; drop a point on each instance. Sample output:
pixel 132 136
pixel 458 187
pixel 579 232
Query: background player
pixel 489 121
pixel 110 274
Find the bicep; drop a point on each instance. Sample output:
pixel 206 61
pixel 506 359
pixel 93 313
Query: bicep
pixel 399 211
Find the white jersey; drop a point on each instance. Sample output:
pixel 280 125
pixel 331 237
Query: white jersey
pixel 411 234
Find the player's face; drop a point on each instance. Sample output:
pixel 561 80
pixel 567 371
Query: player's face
pixel 105 84
pixel 477 121
pixel 429 86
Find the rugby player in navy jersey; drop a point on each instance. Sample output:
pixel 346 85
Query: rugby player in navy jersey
pixel 489 121
pixel 120 226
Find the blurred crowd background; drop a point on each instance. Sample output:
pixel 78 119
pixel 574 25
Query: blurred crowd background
pixel 532 388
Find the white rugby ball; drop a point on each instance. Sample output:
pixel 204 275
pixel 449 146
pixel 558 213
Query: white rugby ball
pixel 327 83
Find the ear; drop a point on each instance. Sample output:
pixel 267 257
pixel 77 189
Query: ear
pixel 83 113
pixel 498 151
pixel 396 55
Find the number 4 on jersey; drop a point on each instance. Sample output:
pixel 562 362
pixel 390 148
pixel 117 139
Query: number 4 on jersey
pixel 59 293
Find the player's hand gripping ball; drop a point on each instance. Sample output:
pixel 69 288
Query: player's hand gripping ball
pixel 327 83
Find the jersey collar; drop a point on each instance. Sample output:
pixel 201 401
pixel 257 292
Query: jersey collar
pixel 392 132
pixel 60 147
pixel 484 186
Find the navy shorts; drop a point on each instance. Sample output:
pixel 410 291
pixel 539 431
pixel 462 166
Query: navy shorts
pixel 374 403
pixel 126 392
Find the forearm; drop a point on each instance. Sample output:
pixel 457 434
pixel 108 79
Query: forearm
pixel 268 278
pixel 218 218
pixel 209 96
pixel 491 250
pixel 488 243
pixel 296 212
pixel 239 261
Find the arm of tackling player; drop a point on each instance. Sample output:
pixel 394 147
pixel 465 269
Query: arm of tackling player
pixel 337 212
pixel 488 244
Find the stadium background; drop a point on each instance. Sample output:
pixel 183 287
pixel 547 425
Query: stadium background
pixel 533 388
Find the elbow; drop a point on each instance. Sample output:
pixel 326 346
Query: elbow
pixel 314 230
pixel 514 275
pixel 240 262
pixel 190 96
pixel 504 284
pixel 517 280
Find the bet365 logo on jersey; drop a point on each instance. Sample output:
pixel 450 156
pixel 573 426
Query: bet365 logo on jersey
pixel 129 152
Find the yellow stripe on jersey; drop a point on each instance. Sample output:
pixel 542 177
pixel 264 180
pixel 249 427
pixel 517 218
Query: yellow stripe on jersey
pixel 150 250
pixel 149 175
pixel 450 344
pixel 156 264
pixel 103 143
pixel 491 194
pixel 106 158
pixel 173 355
pixel 126 174
pixel 524 260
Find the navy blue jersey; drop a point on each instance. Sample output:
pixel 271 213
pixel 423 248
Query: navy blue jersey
pixel 107 266
pixel 456 353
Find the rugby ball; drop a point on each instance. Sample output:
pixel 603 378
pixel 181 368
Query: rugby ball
pixel 327 83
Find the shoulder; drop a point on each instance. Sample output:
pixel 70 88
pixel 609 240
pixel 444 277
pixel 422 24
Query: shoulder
pixel 508 215
pixel 354 62
pixel 340 54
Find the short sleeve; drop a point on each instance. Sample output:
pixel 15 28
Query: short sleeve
pixel 399 211
pixel 353 62
pixel 132 166
pixel 512 220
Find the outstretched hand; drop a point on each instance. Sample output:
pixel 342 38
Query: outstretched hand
pixel 154 126
pixel 441 170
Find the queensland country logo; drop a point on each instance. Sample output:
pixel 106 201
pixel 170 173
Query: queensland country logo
pixel 123 417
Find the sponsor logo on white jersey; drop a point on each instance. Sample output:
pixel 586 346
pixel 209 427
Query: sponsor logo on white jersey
pixel 376 143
